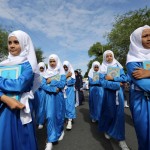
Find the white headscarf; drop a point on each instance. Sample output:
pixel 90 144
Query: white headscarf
pixel 27 54
pixel 105 64
pixel 53 71
pixel 137 53
pixel 95 63
pixel 42 64
pixel 70 68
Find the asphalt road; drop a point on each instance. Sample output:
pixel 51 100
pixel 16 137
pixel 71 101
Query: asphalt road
pixel 85 135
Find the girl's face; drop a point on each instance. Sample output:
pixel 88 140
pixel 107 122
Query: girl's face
pixel 76 73
pixel 146 38
pixel 52 63
pixel 109 58
pixel 41 69
pixel 96 68
pixel 13 46
pixel 65 68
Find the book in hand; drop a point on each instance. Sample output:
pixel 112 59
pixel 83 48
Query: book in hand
pixel 55 77
pixel 113 71
pixel 95 76
pixel 146 65
pixel 69 78
pixel 11 72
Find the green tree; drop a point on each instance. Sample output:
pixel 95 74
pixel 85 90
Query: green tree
pixel 39 55
pixel 3 43
pixel 95 50
pixel 119 37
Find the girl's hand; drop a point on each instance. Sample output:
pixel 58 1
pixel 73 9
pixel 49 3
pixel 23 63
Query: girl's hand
pixel 48 80
pixel 107 77
pixel 121 84
pixel 57 90
pixel 12 103
pixel 69 74
pixel 140 73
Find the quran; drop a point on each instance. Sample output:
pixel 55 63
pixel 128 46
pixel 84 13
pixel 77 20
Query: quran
pixel 146 65
pixel 95 76
pixel 69 78
pixel 113 71
pixel 55 77
pixel 11 72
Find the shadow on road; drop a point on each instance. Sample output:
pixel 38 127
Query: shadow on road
pixel 128 119
pixel 98 136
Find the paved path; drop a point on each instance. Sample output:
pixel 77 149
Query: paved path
pixel 85 135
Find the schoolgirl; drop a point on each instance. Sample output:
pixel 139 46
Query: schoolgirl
pixel 17 130
pixel 112 120
pixel 95 92
pixel 137 67
pixel 70 113
pixel 53 84
pixel 40 99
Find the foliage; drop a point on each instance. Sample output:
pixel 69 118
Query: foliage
pixel 39 55
pixel 95 50
pixel 119 37
pixel 125 24
pixel 3 43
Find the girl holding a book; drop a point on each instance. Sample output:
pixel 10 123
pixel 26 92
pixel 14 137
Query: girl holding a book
pixel 16 125
pixel 137 58
pixel 53 84
pixel 40 99
pixel 112 120
pixel 95 92
pixel 70 112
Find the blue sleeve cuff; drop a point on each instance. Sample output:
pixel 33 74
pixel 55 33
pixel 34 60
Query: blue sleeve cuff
pixel 1 93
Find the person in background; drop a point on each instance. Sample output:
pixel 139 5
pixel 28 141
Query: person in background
pixel 95 92
pixel 40 99
pixel 70 113
pixel 79 89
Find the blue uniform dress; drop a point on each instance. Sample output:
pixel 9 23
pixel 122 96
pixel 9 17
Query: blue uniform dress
pixel 95 98
pixel 140 106
pixel 40 105
pixel 112 119
pixel 70 99
pixel 14 135
pixel 54 108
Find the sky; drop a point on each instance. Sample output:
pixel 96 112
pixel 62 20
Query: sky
pixel 67 28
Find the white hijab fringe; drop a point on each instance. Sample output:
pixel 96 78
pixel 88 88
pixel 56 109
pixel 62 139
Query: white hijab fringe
pixel 95 63
pixel 42 64
pixel 105 64
pixel 70 68
pixel 54 71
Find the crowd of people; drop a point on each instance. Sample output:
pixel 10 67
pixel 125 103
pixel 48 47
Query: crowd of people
pixel 49 94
